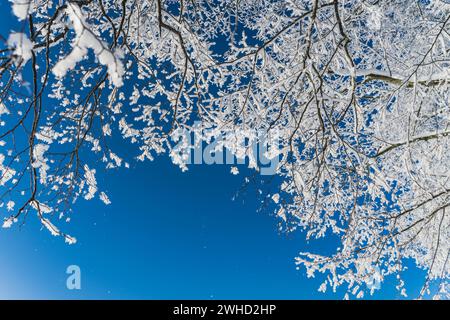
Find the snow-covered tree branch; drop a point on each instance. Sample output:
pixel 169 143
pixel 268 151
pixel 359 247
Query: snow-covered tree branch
pixel 357 92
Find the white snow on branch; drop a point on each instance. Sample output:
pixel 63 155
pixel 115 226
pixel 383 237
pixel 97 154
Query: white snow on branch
pixel 3 109
pixel 40 162
pixel 70 239
pixel 41 207
pixel 276 198
pixel 23 46
pixel 55 231
pixel 89 175
pixel 86 39
pixel 6 173
pixel 22 8
pixel 10 205
pixel 50 227
pixel 7 223
pixel 104 198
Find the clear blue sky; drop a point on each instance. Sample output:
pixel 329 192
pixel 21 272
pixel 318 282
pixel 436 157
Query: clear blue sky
pixel 166 235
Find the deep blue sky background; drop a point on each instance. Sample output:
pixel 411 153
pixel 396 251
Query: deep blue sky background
pixel 166 235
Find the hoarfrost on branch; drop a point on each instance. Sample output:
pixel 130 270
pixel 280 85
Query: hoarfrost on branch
pixel 356 90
